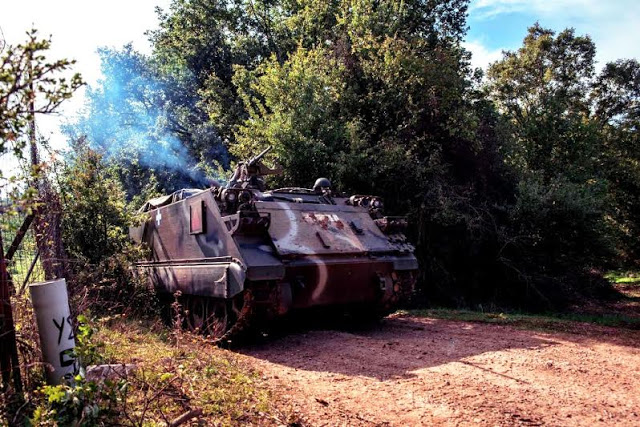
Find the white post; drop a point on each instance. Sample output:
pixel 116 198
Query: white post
pixel 51 308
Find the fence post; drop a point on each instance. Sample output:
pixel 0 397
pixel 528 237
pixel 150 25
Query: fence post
pixel 9 363
pixel 55 327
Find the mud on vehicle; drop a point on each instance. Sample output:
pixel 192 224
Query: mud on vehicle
pixel 239 253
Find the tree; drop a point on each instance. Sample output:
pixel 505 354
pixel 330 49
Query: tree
pixel 543 89
pixel 362 96
pixel 293 107
pixel 31 85
pixel 28 85
pixel 557 228
pixel 616 98
pixel 26 79
pixel 196 47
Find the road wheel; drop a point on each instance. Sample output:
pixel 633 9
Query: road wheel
pixel 218 319
pixel 196 313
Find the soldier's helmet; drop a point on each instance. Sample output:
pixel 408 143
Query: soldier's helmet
pixel 321 184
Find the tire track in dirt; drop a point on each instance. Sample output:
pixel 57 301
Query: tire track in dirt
pixel 418 371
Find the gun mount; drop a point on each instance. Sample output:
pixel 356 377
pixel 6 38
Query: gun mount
pixel 249 174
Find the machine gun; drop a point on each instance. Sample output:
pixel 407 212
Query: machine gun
pixel 255 159
pixel 248 174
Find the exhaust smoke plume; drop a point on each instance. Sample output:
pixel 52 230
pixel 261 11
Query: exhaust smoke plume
pixel 132 117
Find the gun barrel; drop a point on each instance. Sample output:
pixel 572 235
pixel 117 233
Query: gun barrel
pixel 259 156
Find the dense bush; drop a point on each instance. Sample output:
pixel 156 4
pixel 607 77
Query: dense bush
pixel 95 225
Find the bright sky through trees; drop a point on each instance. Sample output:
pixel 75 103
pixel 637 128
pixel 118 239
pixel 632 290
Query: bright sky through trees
pixel 77 29
pixel 495 25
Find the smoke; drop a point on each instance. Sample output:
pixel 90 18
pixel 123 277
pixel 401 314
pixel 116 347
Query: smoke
pixel 132 117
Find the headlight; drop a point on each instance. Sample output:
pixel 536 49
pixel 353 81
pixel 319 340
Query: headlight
pixel 377 204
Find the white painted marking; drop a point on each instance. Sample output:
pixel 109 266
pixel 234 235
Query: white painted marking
pixel 292 232
pixel 158 218
pixel 323 276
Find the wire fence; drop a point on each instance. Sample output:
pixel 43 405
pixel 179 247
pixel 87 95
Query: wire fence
pixel 25 266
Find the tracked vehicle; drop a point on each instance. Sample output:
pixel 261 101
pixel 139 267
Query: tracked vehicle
pixel 239 254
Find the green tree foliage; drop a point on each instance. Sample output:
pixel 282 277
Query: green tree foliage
pixel 96 218
pixel 556 144
pixel 95 226
pixel 196 47
pixel 292 107
pixel 137 125
pixel 616 98
pixel 569 126
pixel 364 101
pixel 543 88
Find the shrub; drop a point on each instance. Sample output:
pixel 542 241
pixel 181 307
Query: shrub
pixel 95 225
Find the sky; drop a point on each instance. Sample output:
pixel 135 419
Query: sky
pixel 79 27
pixel 497 25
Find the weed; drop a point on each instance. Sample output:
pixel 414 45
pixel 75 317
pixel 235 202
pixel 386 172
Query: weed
pixel 81 403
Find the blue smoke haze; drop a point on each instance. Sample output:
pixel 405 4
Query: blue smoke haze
pixel 127 119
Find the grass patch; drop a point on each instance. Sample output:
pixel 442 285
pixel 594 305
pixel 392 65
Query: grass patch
pixel 627 283
pixel 623 277
pixel 627 280
pixel 178 372
pixel 175 373
pixel 564 322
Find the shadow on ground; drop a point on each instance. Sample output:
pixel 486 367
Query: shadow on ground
pixel 395 348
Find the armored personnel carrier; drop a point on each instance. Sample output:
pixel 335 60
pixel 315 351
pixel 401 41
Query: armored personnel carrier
pixel 238 253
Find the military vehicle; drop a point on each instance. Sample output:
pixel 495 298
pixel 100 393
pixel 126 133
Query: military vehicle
pixel 238 253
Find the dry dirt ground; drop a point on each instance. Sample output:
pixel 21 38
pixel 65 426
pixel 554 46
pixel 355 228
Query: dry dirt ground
pixel 420 371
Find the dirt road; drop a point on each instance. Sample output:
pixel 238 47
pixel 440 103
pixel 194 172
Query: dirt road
pixel 419 371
